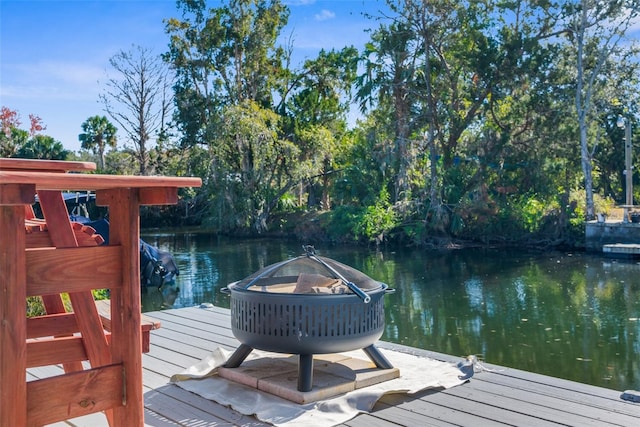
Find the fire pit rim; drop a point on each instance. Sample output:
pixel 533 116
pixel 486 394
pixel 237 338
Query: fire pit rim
pixel 235 287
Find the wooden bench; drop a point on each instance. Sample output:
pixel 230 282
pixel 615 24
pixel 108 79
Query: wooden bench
pixel 38 234
pixel 147 323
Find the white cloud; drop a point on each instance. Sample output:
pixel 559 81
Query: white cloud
pixel 73 72
pixel 52 80
pixel 324 15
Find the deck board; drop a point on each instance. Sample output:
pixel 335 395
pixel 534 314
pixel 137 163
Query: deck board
pixel 496 397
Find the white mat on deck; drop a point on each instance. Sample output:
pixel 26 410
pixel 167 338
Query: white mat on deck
pixel 416 374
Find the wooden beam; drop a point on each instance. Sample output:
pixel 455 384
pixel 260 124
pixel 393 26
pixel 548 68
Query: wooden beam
pixel 159 196
pixel 51 325
pixel 17 194
pixel 51 351
pixel 126 340
pixel 45 165
pixel 86 182
pixel 54 271
pixel 72 395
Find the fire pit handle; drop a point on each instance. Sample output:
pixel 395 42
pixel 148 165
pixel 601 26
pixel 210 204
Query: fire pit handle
pixel 352 286
pixel 356 290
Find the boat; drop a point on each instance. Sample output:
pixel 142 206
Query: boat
pixel 158 268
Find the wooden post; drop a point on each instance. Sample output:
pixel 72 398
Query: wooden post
pixel 13 316
pixel 126 335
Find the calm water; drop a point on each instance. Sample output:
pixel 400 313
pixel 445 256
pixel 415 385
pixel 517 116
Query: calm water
pixel 569 315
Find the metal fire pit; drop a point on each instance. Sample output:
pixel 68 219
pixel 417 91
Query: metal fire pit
pixel 307 305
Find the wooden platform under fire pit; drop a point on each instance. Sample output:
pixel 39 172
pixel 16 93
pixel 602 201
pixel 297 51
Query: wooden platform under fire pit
pixel 334 374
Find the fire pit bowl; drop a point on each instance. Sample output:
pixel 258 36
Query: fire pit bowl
pixel 307 305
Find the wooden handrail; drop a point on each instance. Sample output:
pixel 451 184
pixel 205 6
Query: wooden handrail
pixel 68 181
pixel 46 165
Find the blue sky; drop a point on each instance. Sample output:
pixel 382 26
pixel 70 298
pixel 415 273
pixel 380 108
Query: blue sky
pixel 54 54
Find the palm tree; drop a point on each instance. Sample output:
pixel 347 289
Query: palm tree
pixel 98 133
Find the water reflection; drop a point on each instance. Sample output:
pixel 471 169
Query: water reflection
pixel 573 316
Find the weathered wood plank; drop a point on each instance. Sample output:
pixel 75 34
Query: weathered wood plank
pixel 462 408
pixel 104 310
pixel 193 400
pixel 46 371
pixel 212 315
pixel 187 329
pixel 366 420
pixel 564 391
pixel 433 415
pixel 201 318
pixel 164 343
pixel 197 327
pixel 177 411
pixel 175 358
pixel 498 398
pixel 532 405
pixel 150 378
pixel 156 420
pixel 90 420
pixel 226 340
pixel 207 343
pixel 163 367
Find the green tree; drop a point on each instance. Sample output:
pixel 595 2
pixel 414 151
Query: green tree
pixel 98 134
pixel 388 82
pixel 43 147
pixel 252 170
pixel 315 115
pixel 596 30
pixel 227 67
pixel 222 56
pixel 461 84
pixel 12 138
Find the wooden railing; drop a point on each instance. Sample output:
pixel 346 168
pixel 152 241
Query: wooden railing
pixel 68 262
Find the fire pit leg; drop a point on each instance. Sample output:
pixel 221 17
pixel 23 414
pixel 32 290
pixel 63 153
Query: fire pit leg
pixel 377 357
pixel 238 356
pixel 305 372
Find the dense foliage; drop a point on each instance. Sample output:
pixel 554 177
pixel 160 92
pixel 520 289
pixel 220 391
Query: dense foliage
pixel 484 121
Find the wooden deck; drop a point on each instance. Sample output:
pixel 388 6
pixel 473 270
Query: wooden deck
pixel 623 250
pixel 500 397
